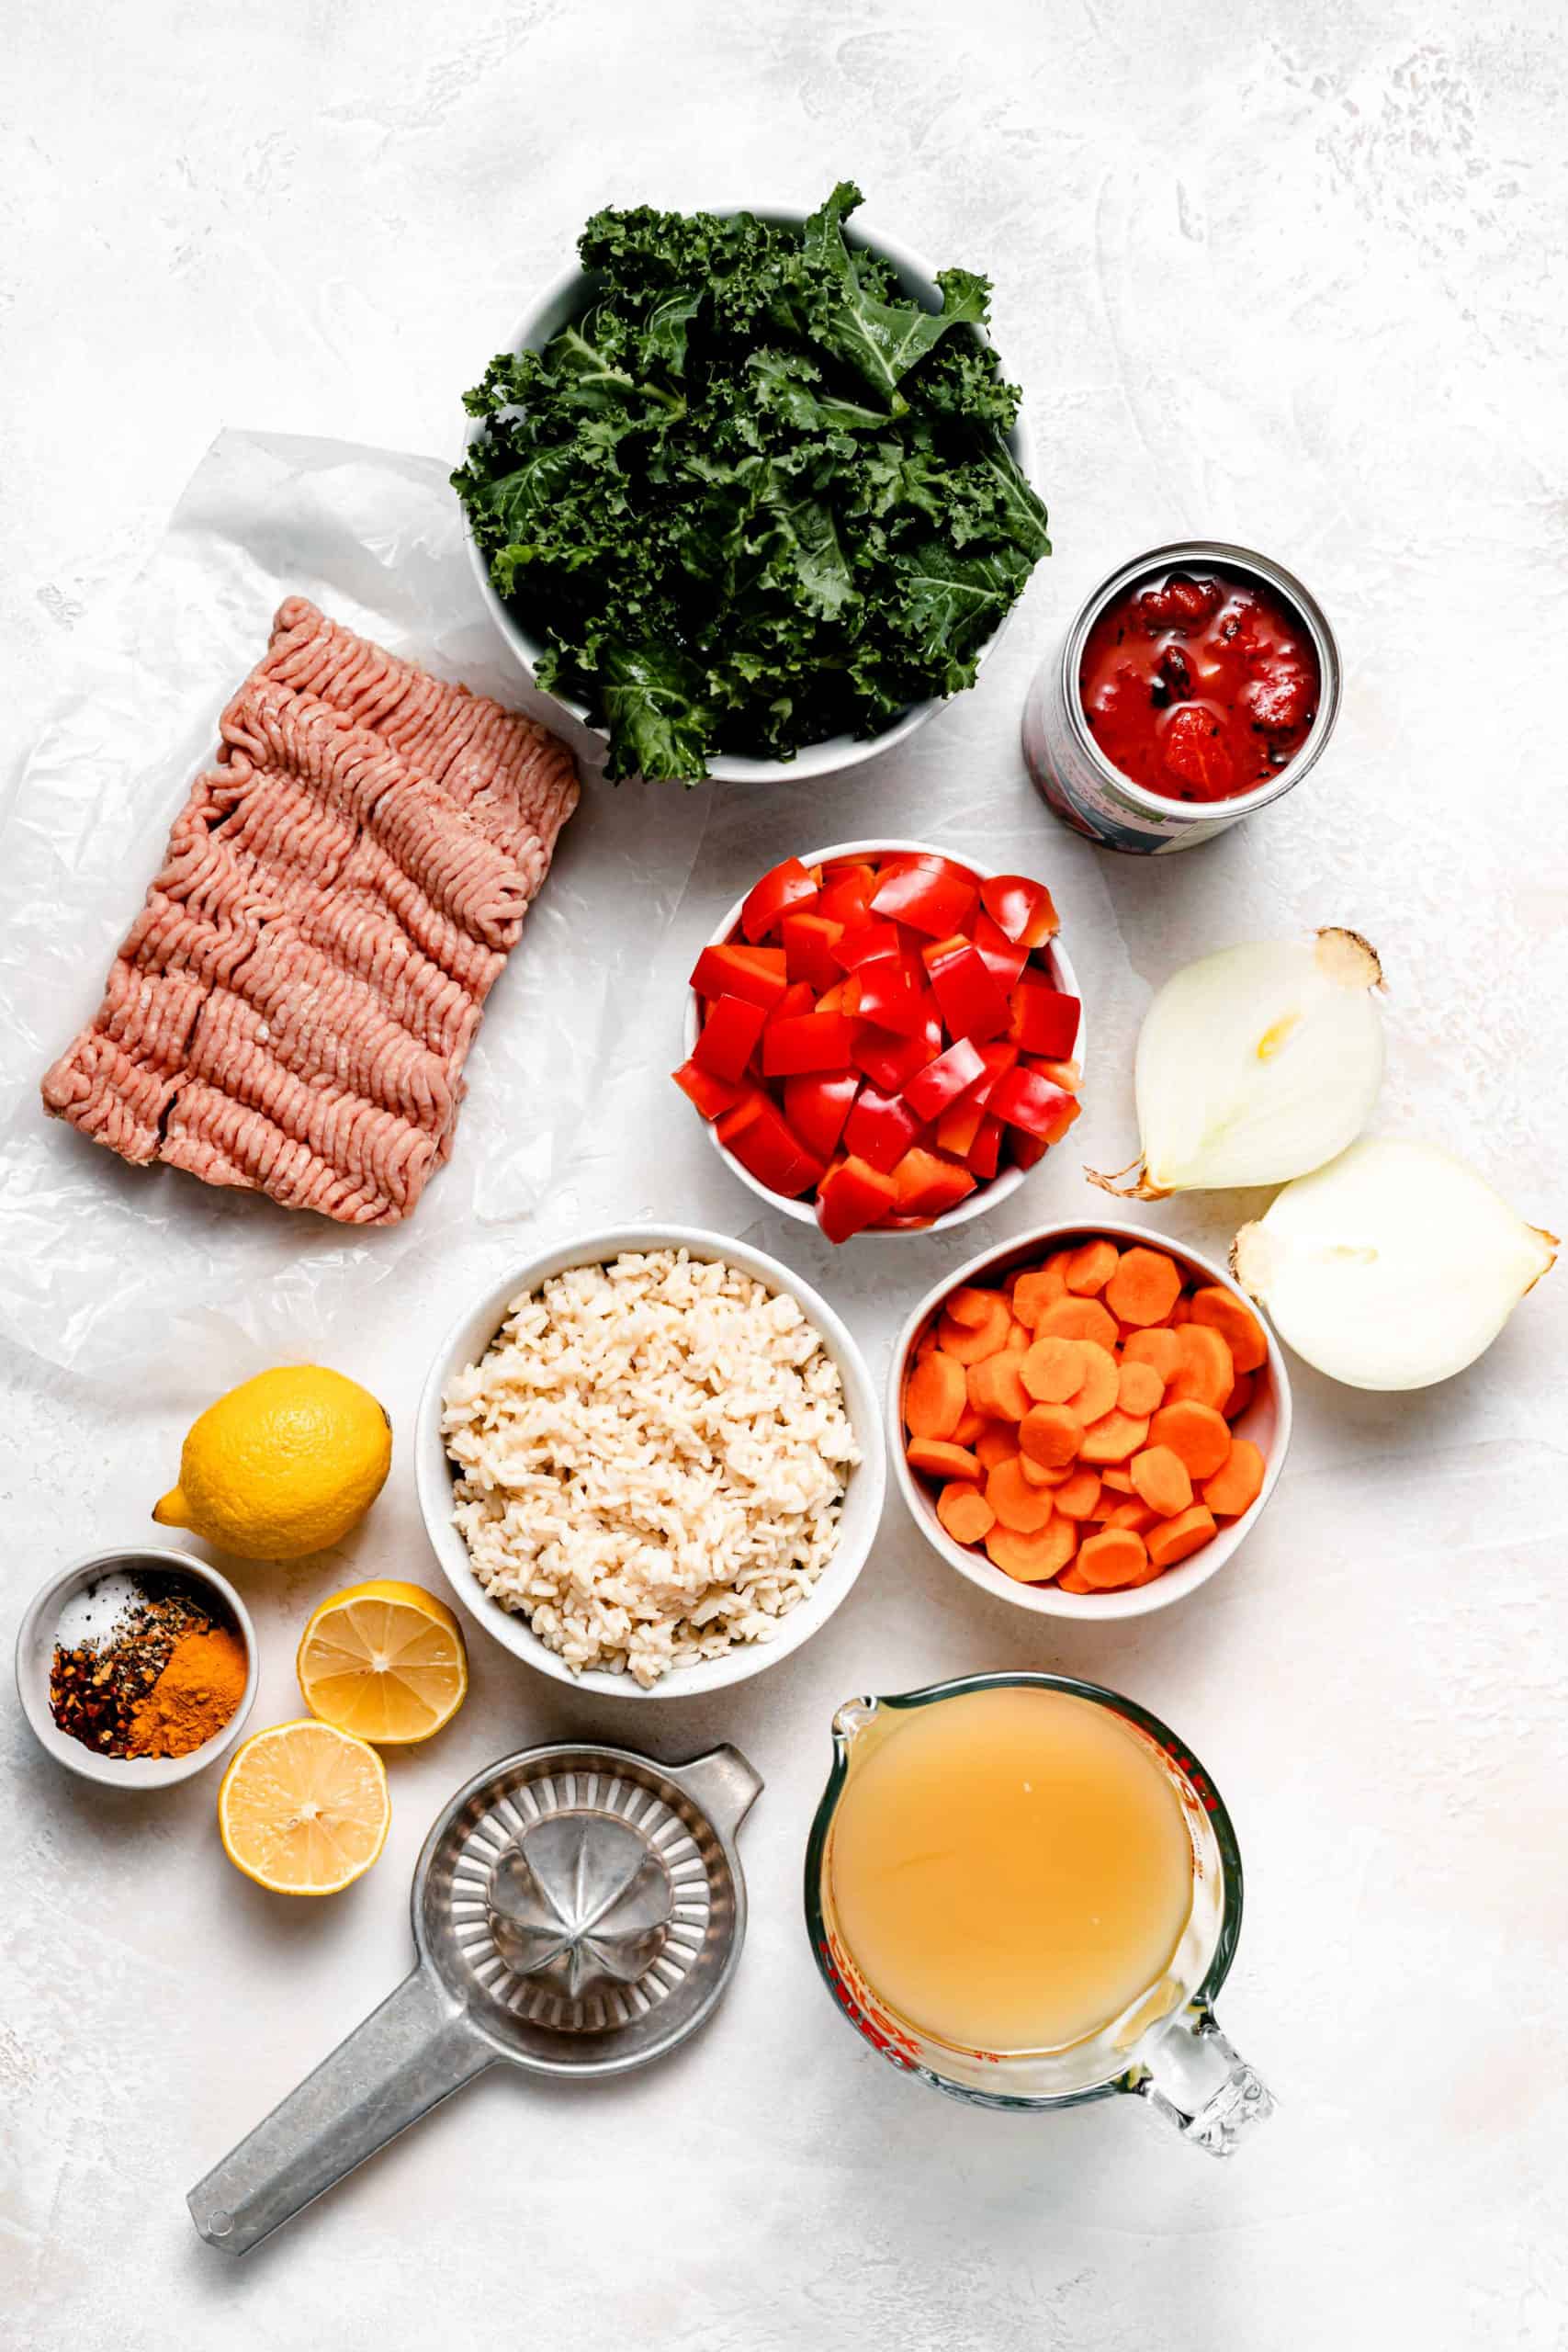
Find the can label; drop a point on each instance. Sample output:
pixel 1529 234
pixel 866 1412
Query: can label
pixel 1083 796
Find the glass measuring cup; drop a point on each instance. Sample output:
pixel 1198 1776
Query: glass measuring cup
pixel 1164 2046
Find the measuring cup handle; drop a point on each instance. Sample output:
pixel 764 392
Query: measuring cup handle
pixel 1196 2081
pixel 409 2055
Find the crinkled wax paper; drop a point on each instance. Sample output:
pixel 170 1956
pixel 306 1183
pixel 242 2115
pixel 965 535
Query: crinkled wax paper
pixel 102 1256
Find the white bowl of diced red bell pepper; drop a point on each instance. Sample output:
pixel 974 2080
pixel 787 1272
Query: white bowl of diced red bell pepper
pixel 883 1039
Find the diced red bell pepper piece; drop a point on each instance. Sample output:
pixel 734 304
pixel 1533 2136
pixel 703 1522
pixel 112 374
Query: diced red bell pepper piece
pixel 892 993
pixel 851 1197
pixel 862 941
pixel 942 1081
pixel 961 1123
pixel 809 1041
pixel 728 1036
pixel 761 1141
pixel 787 886
pixel 1027 1151
pixel 892 1062
pixel 1004 962
pixel 1025 1100
pixel 971 1002
pixel 929 1184
pixel 712 1095
pixel 1043 1020
pixel 809 940
pixel 846 893
pixel 798 998
pixel 832 999
pixel 880 1129
pixel 935 900
pixel 1019 908
pixel 984 1154
pixel 817 1104
pixel 729 970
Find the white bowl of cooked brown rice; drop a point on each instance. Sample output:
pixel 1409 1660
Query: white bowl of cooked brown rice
pixel 650 1462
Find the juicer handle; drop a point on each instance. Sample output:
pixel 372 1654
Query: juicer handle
pixel 1195 2080
pixel 409 2055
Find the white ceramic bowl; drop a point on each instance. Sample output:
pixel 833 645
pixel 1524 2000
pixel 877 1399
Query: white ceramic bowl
pixel 35 1654
pixel 566 299
pixel 472 1334
pixel 984 1196
pixel 1267 1421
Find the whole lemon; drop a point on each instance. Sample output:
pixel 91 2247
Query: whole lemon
pixel 284 1465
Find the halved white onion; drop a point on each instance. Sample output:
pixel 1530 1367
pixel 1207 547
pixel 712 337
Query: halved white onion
pixel 1394 1267
pixel 1256 1065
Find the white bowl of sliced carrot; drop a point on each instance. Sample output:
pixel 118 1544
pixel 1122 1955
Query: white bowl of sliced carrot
pixel 1088 1421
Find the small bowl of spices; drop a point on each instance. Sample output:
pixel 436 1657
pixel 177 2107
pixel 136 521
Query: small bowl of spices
pixel 137 1669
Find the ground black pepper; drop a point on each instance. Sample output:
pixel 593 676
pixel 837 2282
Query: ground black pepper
pixel 94 1690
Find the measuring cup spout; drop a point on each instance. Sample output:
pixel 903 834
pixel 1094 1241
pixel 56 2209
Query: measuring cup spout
pixel 409 2055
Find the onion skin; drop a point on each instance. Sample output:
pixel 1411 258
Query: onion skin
pixel 1394 1268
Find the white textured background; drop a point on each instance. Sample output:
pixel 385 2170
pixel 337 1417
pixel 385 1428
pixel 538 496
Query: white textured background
pixel 1293 276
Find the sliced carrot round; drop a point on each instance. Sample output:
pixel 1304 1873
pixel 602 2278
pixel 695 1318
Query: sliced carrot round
pixel 998 1442
pixel 1160 1348
pixel 1078 1493
pixel 934 1395
pixel 1097 1392
pixel 1112 1557
pixel 1021 1507
pixel 1236 1487
pixel 1237 1325
pixel 1175 1539
pixel 970 1424
pixel 965 1512
pixel 1052 1370
pixel 937 1457
pixel 1143 1287
pixel 1050 1434
pixel 1160 1478
pixel 1034 1559
pixel 1091 1268
pixel 1139 1388
pixel 1206 1374
pixel 1201 1436
pixel 1078 1319
pixel 1039 1475
pixel 996 1389
pixel 970 1307
pixel 1136 1516
pixel 1033 1293
pixel 968 1343
pixel 1240 1398
pixel 1114 1437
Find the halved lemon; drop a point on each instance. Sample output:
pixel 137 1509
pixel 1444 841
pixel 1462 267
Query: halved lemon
pixel 303 1809
pixel 385 1660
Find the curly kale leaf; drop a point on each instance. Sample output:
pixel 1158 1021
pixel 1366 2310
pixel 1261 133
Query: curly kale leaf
pixel 754 495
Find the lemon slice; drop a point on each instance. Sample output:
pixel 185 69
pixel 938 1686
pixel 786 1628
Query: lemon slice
pixel 303 1809
pixel 384 1660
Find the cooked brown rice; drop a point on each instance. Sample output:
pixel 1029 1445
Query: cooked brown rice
pixel 653 1458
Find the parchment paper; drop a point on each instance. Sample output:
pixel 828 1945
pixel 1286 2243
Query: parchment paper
pixel 104 1258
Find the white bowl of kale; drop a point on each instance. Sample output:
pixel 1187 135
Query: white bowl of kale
pixel 748 495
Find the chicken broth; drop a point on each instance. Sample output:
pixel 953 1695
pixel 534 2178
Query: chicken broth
pixel 1011 1869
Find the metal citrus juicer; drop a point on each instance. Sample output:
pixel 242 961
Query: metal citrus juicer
pixel 578 1911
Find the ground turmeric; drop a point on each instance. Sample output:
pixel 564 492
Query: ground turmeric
pixel 194 1697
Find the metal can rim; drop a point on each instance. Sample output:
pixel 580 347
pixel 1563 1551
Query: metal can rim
pixel 1230 557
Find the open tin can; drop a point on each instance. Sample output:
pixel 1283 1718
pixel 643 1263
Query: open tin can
pixel 1075 776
